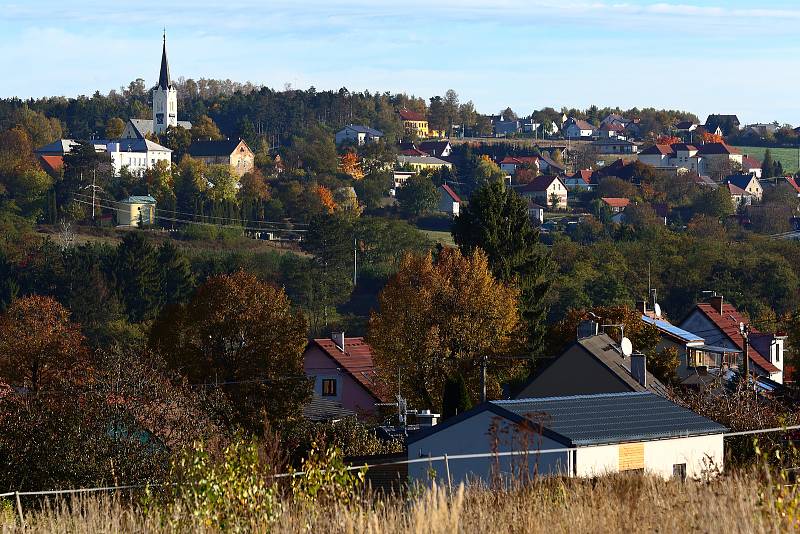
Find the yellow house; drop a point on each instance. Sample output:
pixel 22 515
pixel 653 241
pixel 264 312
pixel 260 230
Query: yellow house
pixel 422 163
pixel 136 210
pixel 414 122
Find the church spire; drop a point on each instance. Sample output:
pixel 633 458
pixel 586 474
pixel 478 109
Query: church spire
pixel 163 78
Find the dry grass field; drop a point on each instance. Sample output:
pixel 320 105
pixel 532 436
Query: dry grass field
pixel 738 503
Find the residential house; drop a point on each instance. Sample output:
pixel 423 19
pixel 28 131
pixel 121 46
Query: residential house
pixel 414 123
pixel 582 180
pixel 612 130
pixel 725 124
pixel 52 165
pixel 614 119
pixel 504 128
pixel 718 323
pixel 615 146
pixel 751 166
pixel 739 196
pixel 233 152
pixel 137 155
pixel 547 190
pixel 759 131
pixel 616 204
pixel 549 165
pixel 747 183
pixel 449 201
pixel 358 135
pixel 400 178
pixel 718 157
pixel 437 149
pixel 136 211
pixel 422 163
pixel 593 364
pixel 344 373
pixel 535 212
pixel 577 128
pixel 572 436
pixel 530 126
pixel 685 127
pixel 682 157
pixel 510 164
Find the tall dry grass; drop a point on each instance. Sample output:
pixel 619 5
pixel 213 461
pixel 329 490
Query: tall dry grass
pixel 733 503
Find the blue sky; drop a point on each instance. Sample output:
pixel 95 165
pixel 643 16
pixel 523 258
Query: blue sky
pixel 700 55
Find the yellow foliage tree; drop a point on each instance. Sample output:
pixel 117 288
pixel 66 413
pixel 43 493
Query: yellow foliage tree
pixel 351 165
pixel 437 319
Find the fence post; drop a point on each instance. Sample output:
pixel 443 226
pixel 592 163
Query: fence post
pixel 19 508
pixel 447 470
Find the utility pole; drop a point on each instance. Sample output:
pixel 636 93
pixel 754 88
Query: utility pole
pixel 355 262
pixel 484 363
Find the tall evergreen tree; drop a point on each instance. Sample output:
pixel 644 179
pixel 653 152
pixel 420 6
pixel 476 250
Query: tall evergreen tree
pixel 177 280
pixel 497 221
pixel 455 397
pixel 768 165
pixel 136 276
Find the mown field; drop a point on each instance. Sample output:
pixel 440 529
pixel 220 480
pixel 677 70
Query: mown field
pixel 787 156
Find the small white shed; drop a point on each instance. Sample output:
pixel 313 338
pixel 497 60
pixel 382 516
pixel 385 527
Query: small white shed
pixel 136 210
pixel 590 435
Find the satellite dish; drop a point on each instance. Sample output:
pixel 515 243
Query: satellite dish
pixel 627 346
pixel 657 309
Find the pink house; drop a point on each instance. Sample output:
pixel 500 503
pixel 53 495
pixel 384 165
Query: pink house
pixel 343 373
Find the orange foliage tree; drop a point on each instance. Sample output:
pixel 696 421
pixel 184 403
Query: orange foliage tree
pixel 437 318
pixel 668 140
pixel 326 198
pixel 708 137
pixel 351 165
pixel 39 346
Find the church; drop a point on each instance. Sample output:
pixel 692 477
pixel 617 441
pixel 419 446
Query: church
pixel 165 107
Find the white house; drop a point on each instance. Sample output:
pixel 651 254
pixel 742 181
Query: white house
pixel 449 201
pixel 575 128
pixel 589 435
pixel 359 135
pixel 137 155
pixel 546 189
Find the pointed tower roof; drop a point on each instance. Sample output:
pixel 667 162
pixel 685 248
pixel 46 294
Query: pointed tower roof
pixel 163 78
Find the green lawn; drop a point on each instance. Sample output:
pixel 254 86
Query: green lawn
pixel 787 156
pixel 445 238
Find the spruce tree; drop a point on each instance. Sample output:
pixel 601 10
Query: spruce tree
pixel 177 280
pixel 136 276
pixel 768 165
pixel 455 397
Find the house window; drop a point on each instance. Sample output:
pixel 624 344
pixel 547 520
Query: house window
pixel 328 387
pixel 679 472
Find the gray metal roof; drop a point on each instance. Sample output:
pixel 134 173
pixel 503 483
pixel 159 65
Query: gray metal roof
pixel 612 417
pixel 144 127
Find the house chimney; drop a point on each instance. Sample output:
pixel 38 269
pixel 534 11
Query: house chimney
pixel 639 368
pixel 426 419
pixel 641 307
pixel 716 303
pixel 587 328
pixel 338 340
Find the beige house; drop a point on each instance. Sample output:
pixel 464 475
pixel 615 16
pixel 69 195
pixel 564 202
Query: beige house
pixel 545 190
pixel 422 163
pixel 136 211
pixel 233 152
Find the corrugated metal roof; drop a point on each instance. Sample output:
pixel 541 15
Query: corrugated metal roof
pixel 612 417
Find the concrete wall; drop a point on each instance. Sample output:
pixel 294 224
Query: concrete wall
pixel 699 453
pixel 474 435
pixel 349 392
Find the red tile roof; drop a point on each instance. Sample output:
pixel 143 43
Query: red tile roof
pixel 409 115
pixel 449 191
pixel 663 150
pixel 51 164
pixel 750 163
pixel 613 127
pixel 585 175
pixel 357 362
pixel 793 182
pixel 728 324
pixel 736 190
pixel 616 202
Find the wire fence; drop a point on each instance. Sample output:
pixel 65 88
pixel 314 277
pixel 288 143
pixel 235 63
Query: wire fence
pixel 446 458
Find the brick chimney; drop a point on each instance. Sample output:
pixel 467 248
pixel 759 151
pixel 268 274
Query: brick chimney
pixel 716 303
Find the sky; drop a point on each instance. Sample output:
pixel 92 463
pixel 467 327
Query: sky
pixel 703 56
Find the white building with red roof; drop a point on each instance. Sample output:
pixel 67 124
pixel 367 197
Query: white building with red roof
pixel 449 201
pixel 547 190
pixel 718 323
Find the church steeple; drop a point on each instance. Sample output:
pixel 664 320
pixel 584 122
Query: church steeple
pixel 163 78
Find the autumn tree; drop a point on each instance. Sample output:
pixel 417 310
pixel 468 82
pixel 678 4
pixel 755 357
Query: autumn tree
pixel 351 166
pixel 708 138
pixel 496 221
pixel 114 128
pixel 39 346
pixel 439 318
pixel 204 129
pixel 244 335
pixel 417 196
pixel 254 186
pixel 668 140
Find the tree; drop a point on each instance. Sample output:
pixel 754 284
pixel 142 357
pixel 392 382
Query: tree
pixel 486 172
pixel 374 188
pixel 136 276
pixel 178 139
pixel 715 203
pixel 613 187
pixel 496 221
pixel 177 280
pixel 114 128
pixel 222 183
pixel 41 129
pixel 768 165
pixel 313 151
pixel 709 138
pixel 243 334
pixel 39 346
pixel 352 166
pixel 644 336
pixel 325 198
pixel 204 129
pixel 254 186
pixel 439 318
pixel 455 398
pixel 417 196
